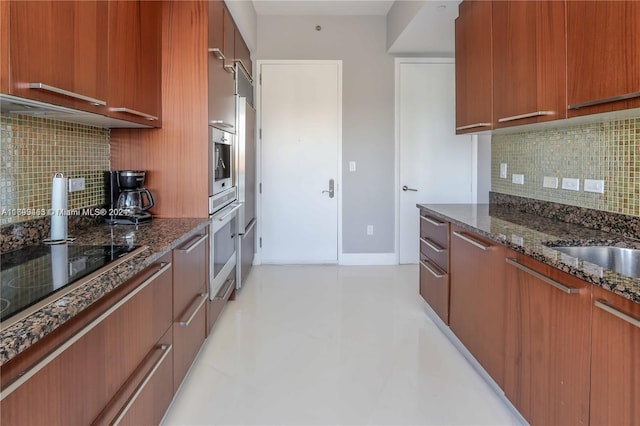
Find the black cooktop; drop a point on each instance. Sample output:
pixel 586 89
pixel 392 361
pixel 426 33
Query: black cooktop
pixel 32 274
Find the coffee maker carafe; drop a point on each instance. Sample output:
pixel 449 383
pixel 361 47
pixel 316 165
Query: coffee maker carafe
pixel 127 199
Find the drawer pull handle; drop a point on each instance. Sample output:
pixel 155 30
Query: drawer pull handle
pixel 626 96
pixel 221 123
pixel 93 324
pixel 217 52
pixel 605 306
pixel 134 112
pixel 527 115
pixel 473 126
pixel 227 291
pixel 472 241
pixel 200 238
pixel 59 91
pixel 554 283
pixel 425 265
pixel 187 322
pixel 433 246
pixel 432 221
pixel 165 350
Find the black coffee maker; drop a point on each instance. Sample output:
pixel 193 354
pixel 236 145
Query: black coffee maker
pixel 127 200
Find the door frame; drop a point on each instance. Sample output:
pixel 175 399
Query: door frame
pixel 338 184
pixel 474 143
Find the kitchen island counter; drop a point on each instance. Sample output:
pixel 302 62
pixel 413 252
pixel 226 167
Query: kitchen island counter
pixel 535 236
pixel 157 238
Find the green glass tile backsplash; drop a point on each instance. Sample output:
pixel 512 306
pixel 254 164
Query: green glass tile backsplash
pixel 608 151
pixel 32 149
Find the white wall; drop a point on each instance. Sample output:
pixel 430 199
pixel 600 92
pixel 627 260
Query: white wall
pixel 400 16
pixel 246 19
pixel 368 112
pixel 484 168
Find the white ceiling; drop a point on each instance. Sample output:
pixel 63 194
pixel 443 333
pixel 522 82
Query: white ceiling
pixel 322 7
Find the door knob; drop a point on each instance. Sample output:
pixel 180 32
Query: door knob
pixel 406 188
pixel 331 190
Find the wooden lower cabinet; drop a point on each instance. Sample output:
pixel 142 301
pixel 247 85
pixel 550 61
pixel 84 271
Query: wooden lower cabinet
pixel 216 305
pixel 99 362
pixel 615 349
pixel 547 345
pixel 190 296
pixel 476 314
pixel 434 288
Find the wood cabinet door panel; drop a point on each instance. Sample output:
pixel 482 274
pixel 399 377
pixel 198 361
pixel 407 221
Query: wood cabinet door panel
pixel 242 52
pixel 529 76
pixel 222 92
pixel 187 339
pixel 228 42
pixel 615 372
pixel 476 313
pixel 435 229
pixel 135 37
pixel 603 54
pixel 189 273
pixel 216 22
pixel 474 109
pixel 547 346
pixel 75 386
pixel 62 44
pixel 434 288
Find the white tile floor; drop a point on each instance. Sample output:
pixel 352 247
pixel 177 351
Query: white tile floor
pixel 332 345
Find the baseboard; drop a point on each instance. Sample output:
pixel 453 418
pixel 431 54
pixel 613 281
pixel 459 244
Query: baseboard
pixel 369 259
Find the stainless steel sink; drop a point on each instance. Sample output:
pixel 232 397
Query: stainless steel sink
pixel 622 260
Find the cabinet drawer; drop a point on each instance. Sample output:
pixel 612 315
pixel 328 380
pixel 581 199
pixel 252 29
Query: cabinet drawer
pixel 435 229
pixel 434 288
pixel 189 273
pixel 216 305
pixel 188 335
pixel 144 398
pixel 435 253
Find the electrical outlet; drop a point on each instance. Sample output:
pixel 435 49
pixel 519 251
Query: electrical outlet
pixel 352 166
pixel 369 229
pixel 517 239
pixel 503 170
pixel 593 185
pixel 571 184
pixel 517 179
pixel 550 182
pixel 76 184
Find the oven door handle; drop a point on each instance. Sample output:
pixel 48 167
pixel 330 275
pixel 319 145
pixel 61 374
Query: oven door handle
pixel 227 214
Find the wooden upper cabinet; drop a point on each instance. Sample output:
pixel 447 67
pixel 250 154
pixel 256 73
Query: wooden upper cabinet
pixel 242 53
pixel 473 67
pixel 4 47
pixel 529 81
pixel 59 53
pixel 615 345
pixel 603 56
pixel 228 44
pixel 216 19
pixel 135 43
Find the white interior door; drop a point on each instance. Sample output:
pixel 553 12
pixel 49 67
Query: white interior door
pixel 433 161
pixel 300 118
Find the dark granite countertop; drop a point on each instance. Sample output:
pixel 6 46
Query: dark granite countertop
pixel 158 237
pixel 536 236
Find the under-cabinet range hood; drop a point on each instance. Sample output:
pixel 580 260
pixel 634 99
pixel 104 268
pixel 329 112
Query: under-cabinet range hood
pixel 13 105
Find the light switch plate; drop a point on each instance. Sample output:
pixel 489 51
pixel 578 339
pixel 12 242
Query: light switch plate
pixel 571 184
pixel 503 170
pixel 352 166
pixel 550 182
pixel 517 179
pixel 593 185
